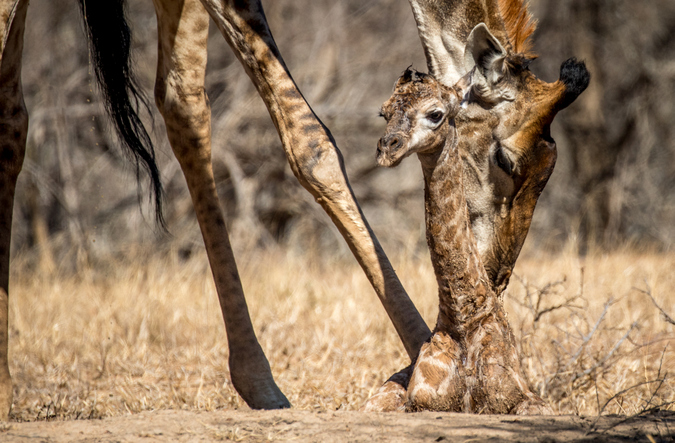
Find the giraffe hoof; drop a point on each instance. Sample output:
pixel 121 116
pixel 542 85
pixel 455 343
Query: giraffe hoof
pixel 270 397
pixel 260 392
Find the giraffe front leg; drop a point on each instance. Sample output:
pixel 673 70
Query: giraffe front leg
pixel 180 96
pixel 13 130
pixel 314 157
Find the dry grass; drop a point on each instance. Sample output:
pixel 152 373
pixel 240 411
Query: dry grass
pixel 126 338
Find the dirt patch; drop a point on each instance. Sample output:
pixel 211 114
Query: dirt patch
pixel 343 427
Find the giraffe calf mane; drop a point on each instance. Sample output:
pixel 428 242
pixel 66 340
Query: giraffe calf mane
pixel 519 25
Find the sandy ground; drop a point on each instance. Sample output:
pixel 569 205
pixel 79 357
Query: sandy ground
pixel 230 425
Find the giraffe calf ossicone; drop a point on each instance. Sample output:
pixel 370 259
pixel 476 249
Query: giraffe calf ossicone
pixel 470 363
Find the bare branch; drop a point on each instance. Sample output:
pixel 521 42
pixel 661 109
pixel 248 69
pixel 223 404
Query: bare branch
pixel 648 291
pixel 606 357
pixel 588 337
pixel 658 375
pixel 623 391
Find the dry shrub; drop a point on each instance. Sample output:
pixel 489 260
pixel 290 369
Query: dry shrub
pixel 132 336
pixel 591 339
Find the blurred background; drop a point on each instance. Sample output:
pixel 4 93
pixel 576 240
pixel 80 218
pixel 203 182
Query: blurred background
pixel 78 199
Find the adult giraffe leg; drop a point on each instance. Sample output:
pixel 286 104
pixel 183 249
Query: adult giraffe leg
pixel 179 93
pixel 314 157
pixel 13 129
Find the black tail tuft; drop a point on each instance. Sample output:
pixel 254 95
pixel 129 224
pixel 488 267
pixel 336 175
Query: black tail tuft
pixel 576 78
pixel 110 45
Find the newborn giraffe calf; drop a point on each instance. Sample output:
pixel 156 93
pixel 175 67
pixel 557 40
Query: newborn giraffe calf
pixel 470 363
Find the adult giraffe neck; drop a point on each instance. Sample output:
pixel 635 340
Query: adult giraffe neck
pixel 463 289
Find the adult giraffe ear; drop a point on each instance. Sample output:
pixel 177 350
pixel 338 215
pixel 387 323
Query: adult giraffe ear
pixel 484 52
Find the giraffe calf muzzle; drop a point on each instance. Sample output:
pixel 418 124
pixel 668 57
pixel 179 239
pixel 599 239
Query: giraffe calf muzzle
pixel 389 150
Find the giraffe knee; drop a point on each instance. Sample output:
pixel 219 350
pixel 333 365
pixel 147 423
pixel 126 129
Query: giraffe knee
pixel 392 395
pixel 182 104
pixel 187 115
pixel 320 168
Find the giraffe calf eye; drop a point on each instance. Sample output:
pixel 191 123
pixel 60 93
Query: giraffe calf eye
pixel 435 116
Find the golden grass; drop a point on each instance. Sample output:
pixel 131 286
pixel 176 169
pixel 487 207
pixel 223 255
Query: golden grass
pixel 131 337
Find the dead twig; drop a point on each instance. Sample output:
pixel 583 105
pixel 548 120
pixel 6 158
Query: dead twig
pixel 618 394
pixel 587 338
pixel 665 315
pixel 601 362
pixel 534 306
pixel 645 410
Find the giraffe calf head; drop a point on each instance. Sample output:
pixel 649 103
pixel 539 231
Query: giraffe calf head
pixel 420 116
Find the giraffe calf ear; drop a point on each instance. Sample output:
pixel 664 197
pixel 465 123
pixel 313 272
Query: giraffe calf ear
pixel 464 84
pixel 453 96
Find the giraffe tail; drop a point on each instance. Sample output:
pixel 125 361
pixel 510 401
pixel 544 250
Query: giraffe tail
pixel 109 46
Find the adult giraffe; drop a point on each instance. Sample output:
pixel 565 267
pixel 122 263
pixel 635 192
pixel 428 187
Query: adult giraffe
pixel 181 99
pixel 179 94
